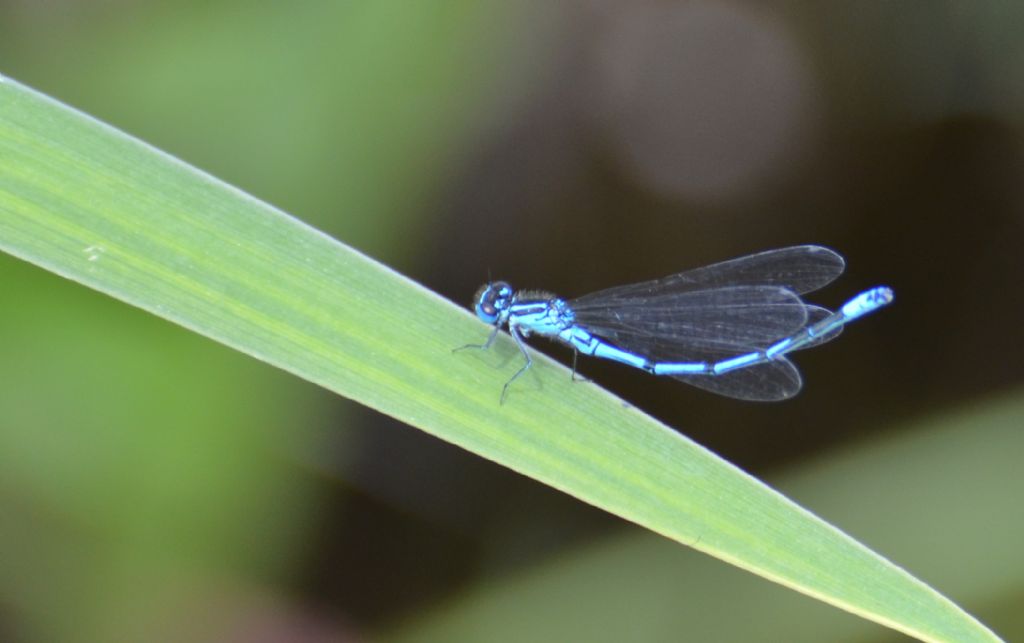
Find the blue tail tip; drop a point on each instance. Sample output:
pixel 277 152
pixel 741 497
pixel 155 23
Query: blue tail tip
pixel 883 295
pixel 868 301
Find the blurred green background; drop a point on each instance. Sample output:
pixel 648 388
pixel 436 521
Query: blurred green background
pixel 155 486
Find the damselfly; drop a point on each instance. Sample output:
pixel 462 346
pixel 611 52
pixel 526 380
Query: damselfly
pixel 726 328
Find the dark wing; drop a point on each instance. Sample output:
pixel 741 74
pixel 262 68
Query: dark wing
pixel 799 269
pixel 700 325
pixel 716 312
pixel 769 382
pixel 708 326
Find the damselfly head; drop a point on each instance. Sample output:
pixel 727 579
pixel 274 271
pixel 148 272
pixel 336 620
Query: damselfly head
pixel 492 301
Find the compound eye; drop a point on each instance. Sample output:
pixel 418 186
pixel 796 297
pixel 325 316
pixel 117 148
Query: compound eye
pixel 491 300
pixel 503 290
pixel 487 312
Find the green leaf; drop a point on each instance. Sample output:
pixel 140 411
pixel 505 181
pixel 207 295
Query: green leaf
pixel 100 208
